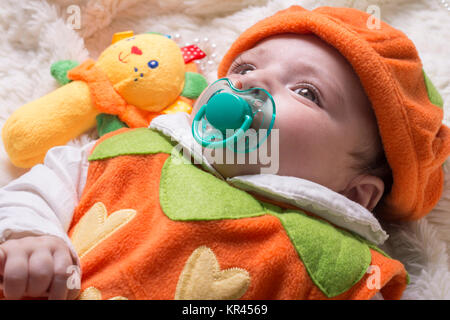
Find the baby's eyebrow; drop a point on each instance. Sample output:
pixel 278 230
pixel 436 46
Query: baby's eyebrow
pixel 247 54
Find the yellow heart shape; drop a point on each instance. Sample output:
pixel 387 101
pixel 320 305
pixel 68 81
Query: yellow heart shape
pixel 96 225
pixel 93 293
pixel 202 279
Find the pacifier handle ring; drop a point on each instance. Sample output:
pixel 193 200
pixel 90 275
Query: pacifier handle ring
pixel 237 135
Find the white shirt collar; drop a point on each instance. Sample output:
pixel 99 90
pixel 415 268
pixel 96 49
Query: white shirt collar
pixel 301 193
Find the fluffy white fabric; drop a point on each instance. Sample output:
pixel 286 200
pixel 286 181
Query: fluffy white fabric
pixel 33 34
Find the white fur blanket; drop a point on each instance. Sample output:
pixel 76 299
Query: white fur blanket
pixel 34 34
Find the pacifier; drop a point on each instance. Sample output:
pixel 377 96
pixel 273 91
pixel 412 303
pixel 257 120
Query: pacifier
pixel 240 120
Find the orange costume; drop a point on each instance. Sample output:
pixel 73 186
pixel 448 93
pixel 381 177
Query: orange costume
pixel 150 226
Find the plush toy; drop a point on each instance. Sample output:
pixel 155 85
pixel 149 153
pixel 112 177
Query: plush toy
pixel 135 79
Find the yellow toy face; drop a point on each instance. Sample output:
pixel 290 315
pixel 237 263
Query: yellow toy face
pixel 147 70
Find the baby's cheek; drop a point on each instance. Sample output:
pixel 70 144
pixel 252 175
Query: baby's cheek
pixel 295 126
pixel 305 137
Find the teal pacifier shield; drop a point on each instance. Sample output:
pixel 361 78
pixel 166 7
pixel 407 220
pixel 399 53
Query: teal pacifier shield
pixel 249 113
pixel 226 111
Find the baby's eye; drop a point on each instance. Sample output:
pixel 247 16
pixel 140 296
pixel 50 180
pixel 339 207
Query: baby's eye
pixel 243 68
pixel 308 93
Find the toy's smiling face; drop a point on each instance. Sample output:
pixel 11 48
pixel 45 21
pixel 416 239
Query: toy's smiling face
pixel 147 70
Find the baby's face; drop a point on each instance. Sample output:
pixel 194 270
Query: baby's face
pixel 322 112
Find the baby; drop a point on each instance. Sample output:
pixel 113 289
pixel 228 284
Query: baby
pixel 358 130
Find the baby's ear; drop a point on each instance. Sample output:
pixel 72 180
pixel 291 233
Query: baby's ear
pixel 194 84
pixel 366 190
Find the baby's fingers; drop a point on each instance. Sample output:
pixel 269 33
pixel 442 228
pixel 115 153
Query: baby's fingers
pixel 59 289
pixel 15 276
pixel 40 272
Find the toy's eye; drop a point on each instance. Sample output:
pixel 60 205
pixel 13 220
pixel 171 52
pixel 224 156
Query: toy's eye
pixel 153 64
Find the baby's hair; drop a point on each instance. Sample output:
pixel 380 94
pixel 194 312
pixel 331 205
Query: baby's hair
pixel 377 166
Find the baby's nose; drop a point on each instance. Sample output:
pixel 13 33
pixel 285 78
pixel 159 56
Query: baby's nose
pixel 237 84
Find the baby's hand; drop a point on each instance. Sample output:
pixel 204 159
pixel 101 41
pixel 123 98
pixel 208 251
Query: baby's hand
pixel 36 267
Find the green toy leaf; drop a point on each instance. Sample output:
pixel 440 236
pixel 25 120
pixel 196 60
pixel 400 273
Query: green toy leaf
pixel 108 123
pixel 60 68
pixel 194 84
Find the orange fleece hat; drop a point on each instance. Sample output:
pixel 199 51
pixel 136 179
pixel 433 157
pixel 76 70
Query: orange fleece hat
pixel 407 107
